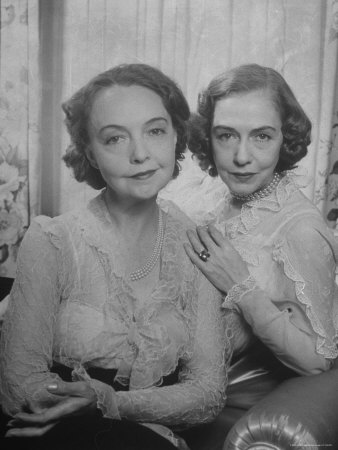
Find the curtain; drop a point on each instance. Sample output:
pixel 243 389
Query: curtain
pixel 19 124
pixel 192 41
pixel 331 209
pixel 63 43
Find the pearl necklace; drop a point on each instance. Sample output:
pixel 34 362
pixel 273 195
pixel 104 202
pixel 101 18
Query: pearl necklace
pixel 261 193
pixel 150 264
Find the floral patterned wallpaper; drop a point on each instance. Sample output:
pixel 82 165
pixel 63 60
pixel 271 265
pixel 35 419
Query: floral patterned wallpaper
pixel 13 213
pixel 332 179
pixel 18 124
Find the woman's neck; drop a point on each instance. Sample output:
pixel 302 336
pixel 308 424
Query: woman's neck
pixel 130 215
pixel 138 227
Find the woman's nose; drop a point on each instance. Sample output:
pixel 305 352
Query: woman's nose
pixel 139 151
pixel 242 154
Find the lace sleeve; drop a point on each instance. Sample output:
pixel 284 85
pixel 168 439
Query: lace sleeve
pixel 27 333
pixel 301 331
pixel 200 393
pixel 308 257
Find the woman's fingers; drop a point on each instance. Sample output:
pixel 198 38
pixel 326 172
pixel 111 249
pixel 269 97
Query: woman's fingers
pixel 63 388
pixel 193 256
pixel 65 408
pixel 196 243
pixel 29 431
pixel 202 239
pixel 205 237
pixel 216 236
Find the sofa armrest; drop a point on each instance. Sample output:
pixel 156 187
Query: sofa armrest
pixel 301 413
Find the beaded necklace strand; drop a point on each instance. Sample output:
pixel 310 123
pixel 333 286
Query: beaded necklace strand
pixel 261 193
pixel 150 264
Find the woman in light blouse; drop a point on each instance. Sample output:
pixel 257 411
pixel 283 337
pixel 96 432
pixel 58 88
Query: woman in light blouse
pixel 109 323
pixel 266 247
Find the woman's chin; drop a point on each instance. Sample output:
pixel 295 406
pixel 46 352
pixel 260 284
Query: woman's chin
pixel 242 190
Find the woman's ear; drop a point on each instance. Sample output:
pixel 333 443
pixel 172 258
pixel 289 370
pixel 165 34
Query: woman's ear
pixel 175 139
pixel 91 158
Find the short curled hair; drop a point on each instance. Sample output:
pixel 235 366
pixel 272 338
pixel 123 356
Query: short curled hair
pixel 296 127
pixel 77 110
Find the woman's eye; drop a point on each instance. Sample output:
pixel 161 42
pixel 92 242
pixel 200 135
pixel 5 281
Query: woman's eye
pixel 262 137
pixel 225 136
pixel 114 140
pixel 156 131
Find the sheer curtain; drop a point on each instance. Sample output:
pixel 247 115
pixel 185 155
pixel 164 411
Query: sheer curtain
pixel 190 40
pixel 193 40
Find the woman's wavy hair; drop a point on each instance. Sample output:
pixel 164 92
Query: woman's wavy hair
pixel 77 110
pixel 296 127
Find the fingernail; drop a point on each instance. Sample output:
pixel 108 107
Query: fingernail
pixel 52 387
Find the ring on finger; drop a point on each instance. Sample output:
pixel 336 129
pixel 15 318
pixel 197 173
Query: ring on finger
pixel 204 255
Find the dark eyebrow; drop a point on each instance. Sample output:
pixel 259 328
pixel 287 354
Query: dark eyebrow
pixel 264 128
pixel 155 119
pixel 255 130
pixel 222 127
pixel 120 127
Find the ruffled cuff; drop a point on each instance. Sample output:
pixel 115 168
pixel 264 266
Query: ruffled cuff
pixel 237 291
pixel 107 400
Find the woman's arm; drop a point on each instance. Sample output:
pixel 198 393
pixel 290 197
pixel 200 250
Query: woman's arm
pixel 307 256
pixel 301 330
pixel 27 333
pixel 286 332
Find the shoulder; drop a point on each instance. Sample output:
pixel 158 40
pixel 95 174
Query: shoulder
pixel 176 215
pixel 299 213
pixel 43 234
pixel 59 227
pixel 308 233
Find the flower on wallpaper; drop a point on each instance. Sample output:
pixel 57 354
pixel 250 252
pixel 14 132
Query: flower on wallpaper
pixel 334 22
pixel 13 176
pixel 7 15
pixel 332 215
pixel 9 183
pixel 11 227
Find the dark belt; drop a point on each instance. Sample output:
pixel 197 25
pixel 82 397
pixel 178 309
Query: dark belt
pixel 107 376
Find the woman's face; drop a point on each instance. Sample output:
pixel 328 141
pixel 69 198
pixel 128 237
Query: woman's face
pixel 246 139
pixel 132 141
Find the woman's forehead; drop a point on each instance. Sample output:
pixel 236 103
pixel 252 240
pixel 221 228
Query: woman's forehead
pixel 254 108
pixel 121 105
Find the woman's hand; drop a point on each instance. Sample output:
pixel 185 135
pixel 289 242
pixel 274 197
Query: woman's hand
pixel 224 267
pixel 78 398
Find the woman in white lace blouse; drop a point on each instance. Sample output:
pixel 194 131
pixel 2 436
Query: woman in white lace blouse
pixel 108 318
pixel 267 247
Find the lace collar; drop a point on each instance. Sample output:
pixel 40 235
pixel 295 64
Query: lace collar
pixel 173 292
pixel 249 216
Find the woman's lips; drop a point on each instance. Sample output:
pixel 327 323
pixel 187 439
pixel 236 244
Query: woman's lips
pixel 143 175
pixel 243 176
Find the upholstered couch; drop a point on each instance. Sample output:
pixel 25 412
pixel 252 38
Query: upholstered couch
pixel 301 413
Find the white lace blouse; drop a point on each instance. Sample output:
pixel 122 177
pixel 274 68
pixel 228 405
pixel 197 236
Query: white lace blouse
pixel 291 298
pixel 70 304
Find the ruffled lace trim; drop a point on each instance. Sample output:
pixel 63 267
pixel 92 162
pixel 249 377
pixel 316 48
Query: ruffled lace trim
pixel 322 346
pixel 150 352
pixel 237 291
pixel 248 218
pixel 106 401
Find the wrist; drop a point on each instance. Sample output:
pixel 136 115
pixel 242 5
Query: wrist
pixel 237 291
